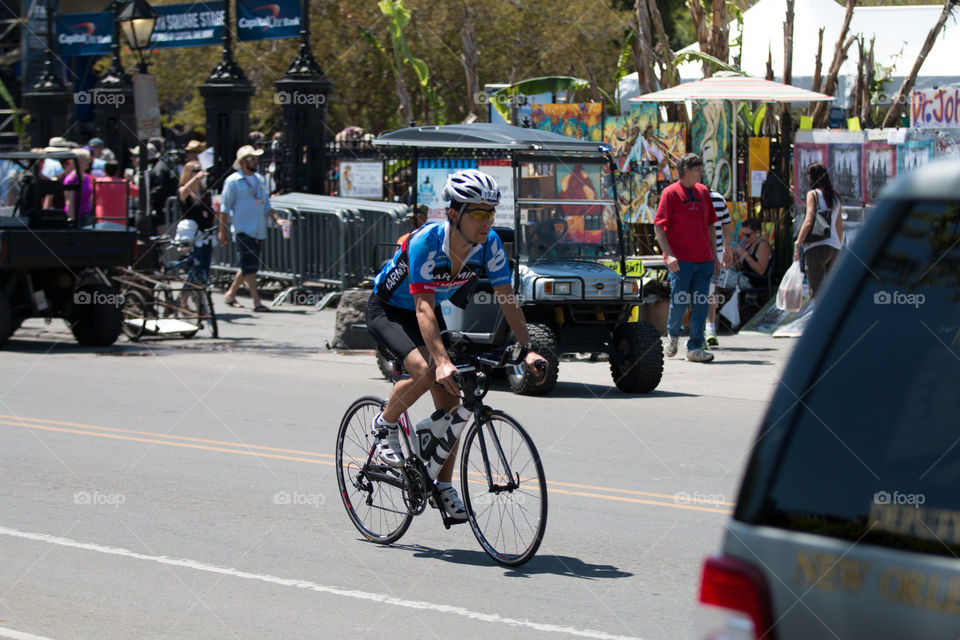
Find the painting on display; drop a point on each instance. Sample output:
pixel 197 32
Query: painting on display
pixel 710 130
pixel 845 165
pixel 879 168
pixel 583 121
pixel 805 154
pixel 672 140
pixel 643 197
pixel 620 132
pixel 642 149
pixel 912 155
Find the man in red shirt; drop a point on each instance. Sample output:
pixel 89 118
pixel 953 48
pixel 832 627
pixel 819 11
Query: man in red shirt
pixel 684 230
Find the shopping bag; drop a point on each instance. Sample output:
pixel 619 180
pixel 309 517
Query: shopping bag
pixel 790 293
pixel 731 310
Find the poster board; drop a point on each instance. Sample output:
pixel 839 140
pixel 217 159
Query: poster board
pixel 758 164
pixel 361 179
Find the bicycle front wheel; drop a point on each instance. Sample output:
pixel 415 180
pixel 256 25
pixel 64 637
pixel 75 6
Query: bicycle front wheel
pixel 199 311
pixel 372 493
pixel 504 489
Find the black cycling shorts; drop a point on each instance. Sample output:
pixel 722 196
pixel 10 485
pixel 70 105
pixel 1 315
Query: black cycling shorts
pixel 396 328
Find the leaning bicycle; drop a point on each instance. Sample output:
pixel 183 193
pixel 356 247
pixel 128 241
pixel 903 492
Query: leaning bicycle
pixel 503 486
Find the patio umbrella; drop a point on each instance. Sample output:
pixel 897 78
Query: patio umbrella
pixel 736 88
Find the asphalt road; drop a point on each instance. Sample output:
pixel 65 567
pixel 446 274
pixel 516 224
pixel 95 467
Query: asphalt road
pixel 186 489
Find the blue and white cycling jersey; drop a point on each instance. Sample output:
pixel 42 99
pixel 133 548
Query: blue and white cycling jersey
pixel 423 265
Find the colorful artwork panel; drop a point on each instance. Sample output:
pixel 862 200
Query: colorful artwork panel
pixel 583 121
pixel 710 130
pixel 672 140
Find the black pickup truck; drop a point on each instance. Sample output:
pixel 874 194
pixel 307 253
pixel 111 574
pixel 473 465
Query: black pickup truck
pixel 50 268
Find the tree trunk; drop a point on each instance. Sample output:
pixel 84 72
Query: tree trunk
pixel 865 117
pixel 669 76
pixel 703 35
pixel 788 45
pixel 469 59
pixel 406 109
pixel 821 112
pixel 720 32
pixel 861 73
pixel 642 42
pixel 904 91
pixel 818 65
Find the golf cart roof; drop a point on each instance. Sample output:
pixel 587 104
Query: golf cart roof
pixel 486 136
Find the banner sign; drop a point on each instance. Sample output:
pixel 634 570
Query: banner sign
pixel 178 25
pixel 195 24
pixel 268 20
pixel 935 108
pixel 84 34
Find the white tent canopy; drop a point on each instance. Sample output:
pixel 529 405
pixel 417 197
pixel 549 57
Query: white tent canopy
pixel 900 33
pixel 735 88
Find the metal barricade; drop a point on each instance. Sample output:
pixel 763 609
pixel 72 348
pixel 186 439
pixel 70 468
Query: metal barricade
pixel 333 242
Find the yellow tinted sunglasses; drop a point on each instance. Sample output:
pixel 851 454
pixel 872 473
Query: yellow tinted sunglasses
pixel 482 215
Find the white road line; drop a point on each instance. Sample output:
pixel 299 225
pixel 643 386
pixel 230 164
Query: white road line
pixel 19 635
pixel 304 584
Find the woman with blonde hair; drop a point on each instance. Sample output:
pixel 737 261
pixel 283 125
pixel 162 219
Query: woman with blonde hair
pixel 197 208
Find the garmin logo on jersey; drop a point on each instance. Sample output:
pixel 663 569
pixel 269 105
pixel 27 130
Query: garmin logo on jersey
pixel 395 277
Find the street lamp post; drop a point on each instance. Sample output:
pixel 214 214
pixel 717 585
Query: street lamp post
pixel 48 100
pixel 137 21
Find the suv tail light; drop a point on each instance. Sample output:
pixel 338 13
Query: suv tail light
pixel 738 600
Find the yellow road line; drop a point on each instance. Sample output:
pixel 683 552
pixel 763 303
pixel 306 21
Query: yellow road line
pixel 261 452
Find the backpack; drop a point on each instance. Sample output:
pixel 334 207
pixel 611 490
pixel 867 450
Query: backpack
pixel 822 223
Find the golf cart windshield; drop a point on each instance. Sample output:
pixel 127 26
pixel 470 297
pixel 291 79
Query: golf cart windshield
pixel 567 211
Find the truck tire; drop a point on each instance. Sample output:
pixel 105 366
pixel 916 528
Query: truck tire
pixel 636 357
pixel 99 323
pixel 525 384
pixel 6 318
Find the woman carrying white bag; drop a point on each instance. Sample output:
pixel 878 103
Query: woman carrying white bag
pixel 821 234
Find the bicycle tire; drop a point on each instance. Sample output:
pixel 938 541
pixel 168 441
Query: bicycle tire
pixel 508 524
pixel 135 315
pixel 376 508
pixel 199 305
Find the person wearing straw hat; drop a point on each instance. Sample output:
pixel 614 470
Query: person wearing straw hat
pixel 246 201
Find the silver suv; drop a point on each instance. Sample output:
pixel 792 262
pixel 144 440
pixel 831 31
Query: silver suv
pixel 848 520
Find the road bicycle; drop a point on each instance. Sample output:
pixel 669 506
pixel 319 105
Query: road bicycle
pixel 502 483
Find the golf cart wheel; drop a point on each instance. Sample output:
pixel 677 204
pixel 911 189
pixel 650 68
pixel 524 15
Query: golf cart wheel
pixel 96 320
pixel 636 358
pixel 525 383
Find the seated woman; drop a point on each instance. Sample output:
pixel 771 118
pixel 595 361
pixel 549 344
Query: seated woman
pixel 753 253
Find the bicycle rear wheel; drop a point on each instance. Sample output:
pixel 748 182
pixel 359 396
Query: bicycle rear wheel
pixel 372 493
pixel 504 489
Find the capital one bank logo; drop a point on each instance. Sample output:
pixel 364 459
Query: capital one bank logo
pixel 270 19
pixel 81 33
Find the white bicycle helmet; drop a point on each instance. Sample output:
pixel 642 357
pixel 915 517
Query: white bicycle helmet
pixel 186 231
pixel 471 186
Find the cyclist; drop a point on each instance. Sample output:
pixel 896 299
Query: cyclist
pixel 404 312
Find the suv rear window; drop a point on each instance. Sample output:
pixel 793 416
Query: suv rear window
pixel 874 454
